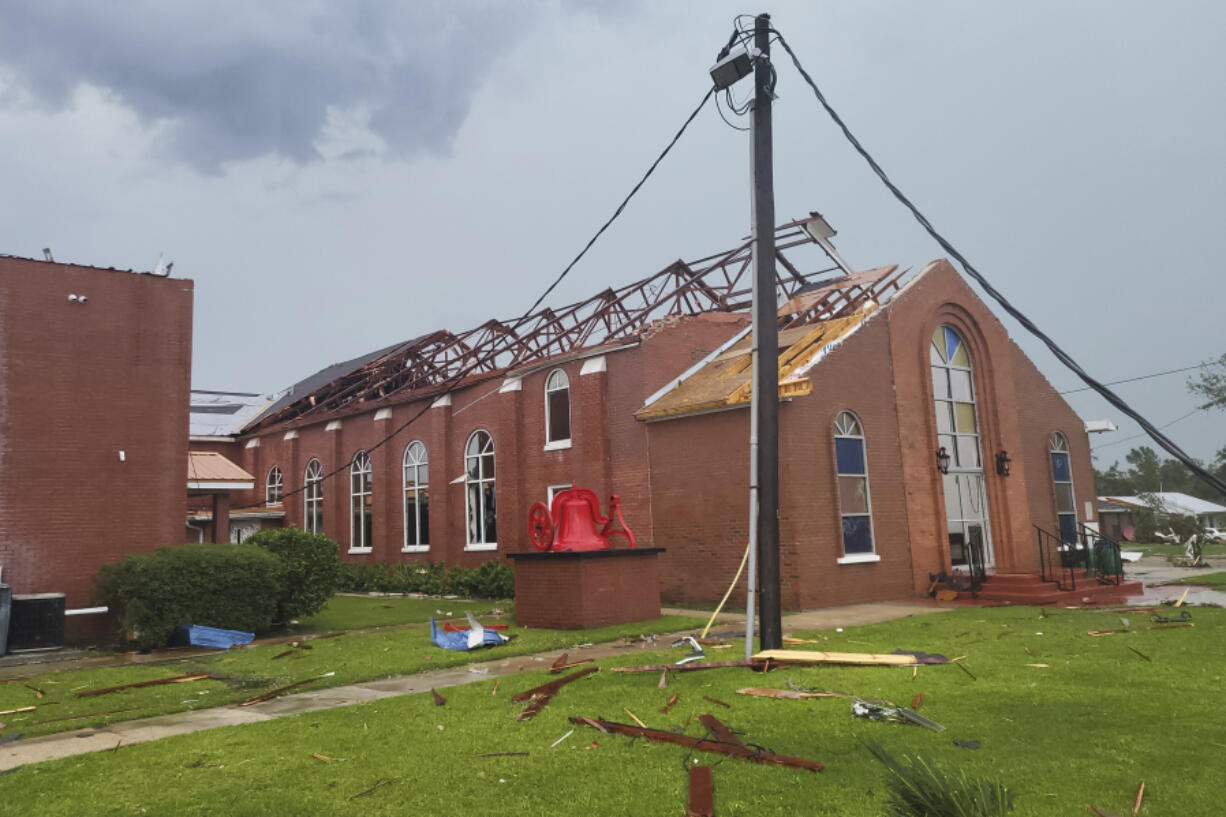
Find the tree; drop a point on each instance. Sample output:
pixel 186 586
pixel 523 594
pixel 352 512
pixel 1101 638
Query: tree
pixel 1211 384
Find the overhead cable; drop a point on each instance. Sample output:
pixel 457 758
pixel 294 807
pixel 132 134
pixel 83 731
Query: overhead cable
pixel 1111 397
pixel 451 384
pixel 1141 377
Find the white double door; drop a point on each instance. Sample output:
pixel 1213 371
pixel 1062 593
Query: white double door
pixel 966 516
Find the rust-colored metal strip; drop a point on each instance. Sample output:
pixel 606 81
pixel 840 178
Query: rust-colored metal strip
pixel 439 700
pixel 702 793
pixel 671 703
pixel 719 730
pixel 764 756
pixel 552 687
pixel 178 679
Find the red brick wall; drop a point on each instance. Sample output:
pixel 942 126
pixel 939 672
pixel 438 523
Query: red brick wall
pixel 79 382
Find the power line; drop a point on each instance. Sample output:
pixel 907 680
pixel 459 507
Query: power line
pixel 450 385
pixel 1108 395
pixel 1142 434
pixel 1141 377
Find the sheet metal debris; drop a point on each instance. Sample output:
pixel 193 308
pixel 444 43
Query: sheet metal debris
pixel 702 792
pixel 539 697
pixel 705 744
pixel 886 711
pixel 178 679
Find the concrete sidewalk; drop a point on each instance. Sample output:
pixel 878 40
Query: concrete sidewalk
pixel 125 733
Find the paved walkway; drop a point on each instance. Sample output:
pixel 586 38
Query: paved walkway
pixel 125 733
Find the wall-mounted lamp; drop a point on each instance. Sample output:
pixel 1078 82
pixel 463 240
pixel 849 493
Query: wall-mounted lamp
pixel 1003 462
pixel 942 460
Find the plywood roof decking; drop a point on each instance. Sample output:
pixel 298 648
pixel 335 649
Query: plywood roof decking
pixel 814 320
pixel 209 466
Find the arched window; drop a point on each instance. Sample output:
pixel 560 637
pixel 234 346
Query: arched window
pixel 274 487
pixel 1062 478
pixel 479 493
pixel 313 498
pixel 416 498
pixel 557 410
pixel 953 392
pixel 855 508
pixel 360 499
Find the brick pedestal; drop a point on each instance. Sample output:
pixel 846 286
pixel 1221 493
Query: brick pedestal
pixel 577 590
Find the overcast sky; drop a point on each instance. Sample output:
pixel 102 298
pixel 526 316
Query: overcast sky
pixel 339 176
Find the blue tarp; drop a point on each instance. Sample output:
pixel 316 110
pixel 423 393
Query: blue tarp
pixel 199 636
pixel 478 636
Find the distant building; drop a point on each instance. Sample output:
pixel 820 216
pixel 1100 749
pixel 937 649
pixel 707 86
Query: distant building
pixel 94 377
pixel 1174 503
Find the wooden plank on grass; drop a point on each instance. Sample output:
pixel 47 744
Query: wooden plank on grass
pixel 702 793
pixel 821 657
pixel 178 679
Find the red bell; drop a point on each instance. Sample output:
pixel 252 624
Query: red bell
pixel 577 512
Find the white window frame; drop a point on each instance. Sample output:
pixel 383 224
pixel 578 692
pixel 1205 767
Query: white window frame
pixel 847 425
pixel 415 459
pixel 557 381
pixel 481 480
pixel 360 466
pixel 552 491
pixel 274 483
pixel 1057 443
pixel 313 497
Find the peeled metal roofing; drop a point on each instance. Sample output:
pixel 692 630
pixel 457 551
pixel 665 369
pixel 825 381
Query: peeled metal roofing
pixel 209 466
pixel 223 414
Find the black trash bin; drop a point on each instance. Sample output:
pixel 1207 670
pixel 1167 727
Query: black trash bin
pixel 36 621
pixel 6 602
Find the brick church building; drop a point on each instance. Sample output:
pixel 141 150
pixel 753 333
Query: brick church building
pixel 915 436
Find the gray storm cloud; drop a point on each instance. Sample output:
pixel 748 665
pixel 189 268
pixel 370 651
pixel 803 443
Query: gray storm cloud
pixel 229 80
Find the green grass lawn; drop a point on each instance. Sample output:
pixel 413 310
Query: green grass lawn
pixel 352 657
pixel 1174 553
pixel 363 612
pixel 1084 729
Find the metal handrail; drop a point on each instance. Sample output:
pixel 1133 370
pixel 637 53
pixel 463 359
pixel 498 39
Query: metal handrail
pixel 1109 570
pixel 1052 561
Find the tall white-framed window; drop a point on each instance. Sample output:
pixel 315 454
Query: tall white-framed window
pixel 274 487
pixel 361 509
pixel 855 503
pixel 416 498
pixel 557 410
pixel 1062 480
pixel 313 497
pixel 479 503
pixel 553 490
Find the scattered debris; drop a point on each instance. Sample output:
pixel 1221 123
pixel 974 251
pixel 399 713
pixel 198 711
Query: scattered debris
pixel 564 737
pixel 1099 812
pixel 1181 598
pixel 824 692
pixel 917 700
pixel 1138 652
pixel 1108 632
pixel 439 700
pixel 1170 626
pixel 15 711
pixel 200 636
pixel 322 758
pixel 541 695
pixel 689 667
pixel 592 724
pixel 635 718
pixel 504 754
pixel 663 684
pixel 1040 666
pixel 497 681
pixel 898 659
pixel 178 679
pixel 11 738
pixel 702 793
pixel 790 640
pixel 293 645
pixel 1184 615
pixel 886 711
pixel 738 750
pixel 1136 802
pixel 277 693
pixel 563 663
pixel 38 693
pixel 716 702
pixel 967 671
pixel 967 744
pixel 378 785
pixel 452 627
pixel 786 694
pixel 476 636
pixel 695 653
pixel 671 703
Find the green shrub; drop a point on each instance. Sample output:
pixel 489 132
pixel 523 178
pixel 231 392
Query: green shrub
pixel 490 580
pixel 312 569
pixel 231 586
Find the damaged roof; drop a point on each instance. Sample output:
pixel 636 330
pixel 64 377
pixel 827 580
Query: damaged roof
pixel 223 413
pixel 811 323
pixel 436 361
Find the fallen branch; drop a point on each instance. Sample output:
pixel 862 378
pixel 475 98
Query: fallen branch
pixel 1138 652
pixel 764 756
pixel 671 703
pixel 277 693
pixel 785 694
pixel 1136 802
pixel 380 784
pixel 178 679
pixel 15 711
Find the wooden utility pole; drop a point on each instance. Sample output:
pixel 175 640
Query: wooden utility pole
pixel 766 345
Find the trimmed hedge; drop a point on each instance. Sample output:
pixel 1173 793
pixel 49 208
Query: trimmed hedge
pixel 236 587
pixel 490 580
pixel 312 569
